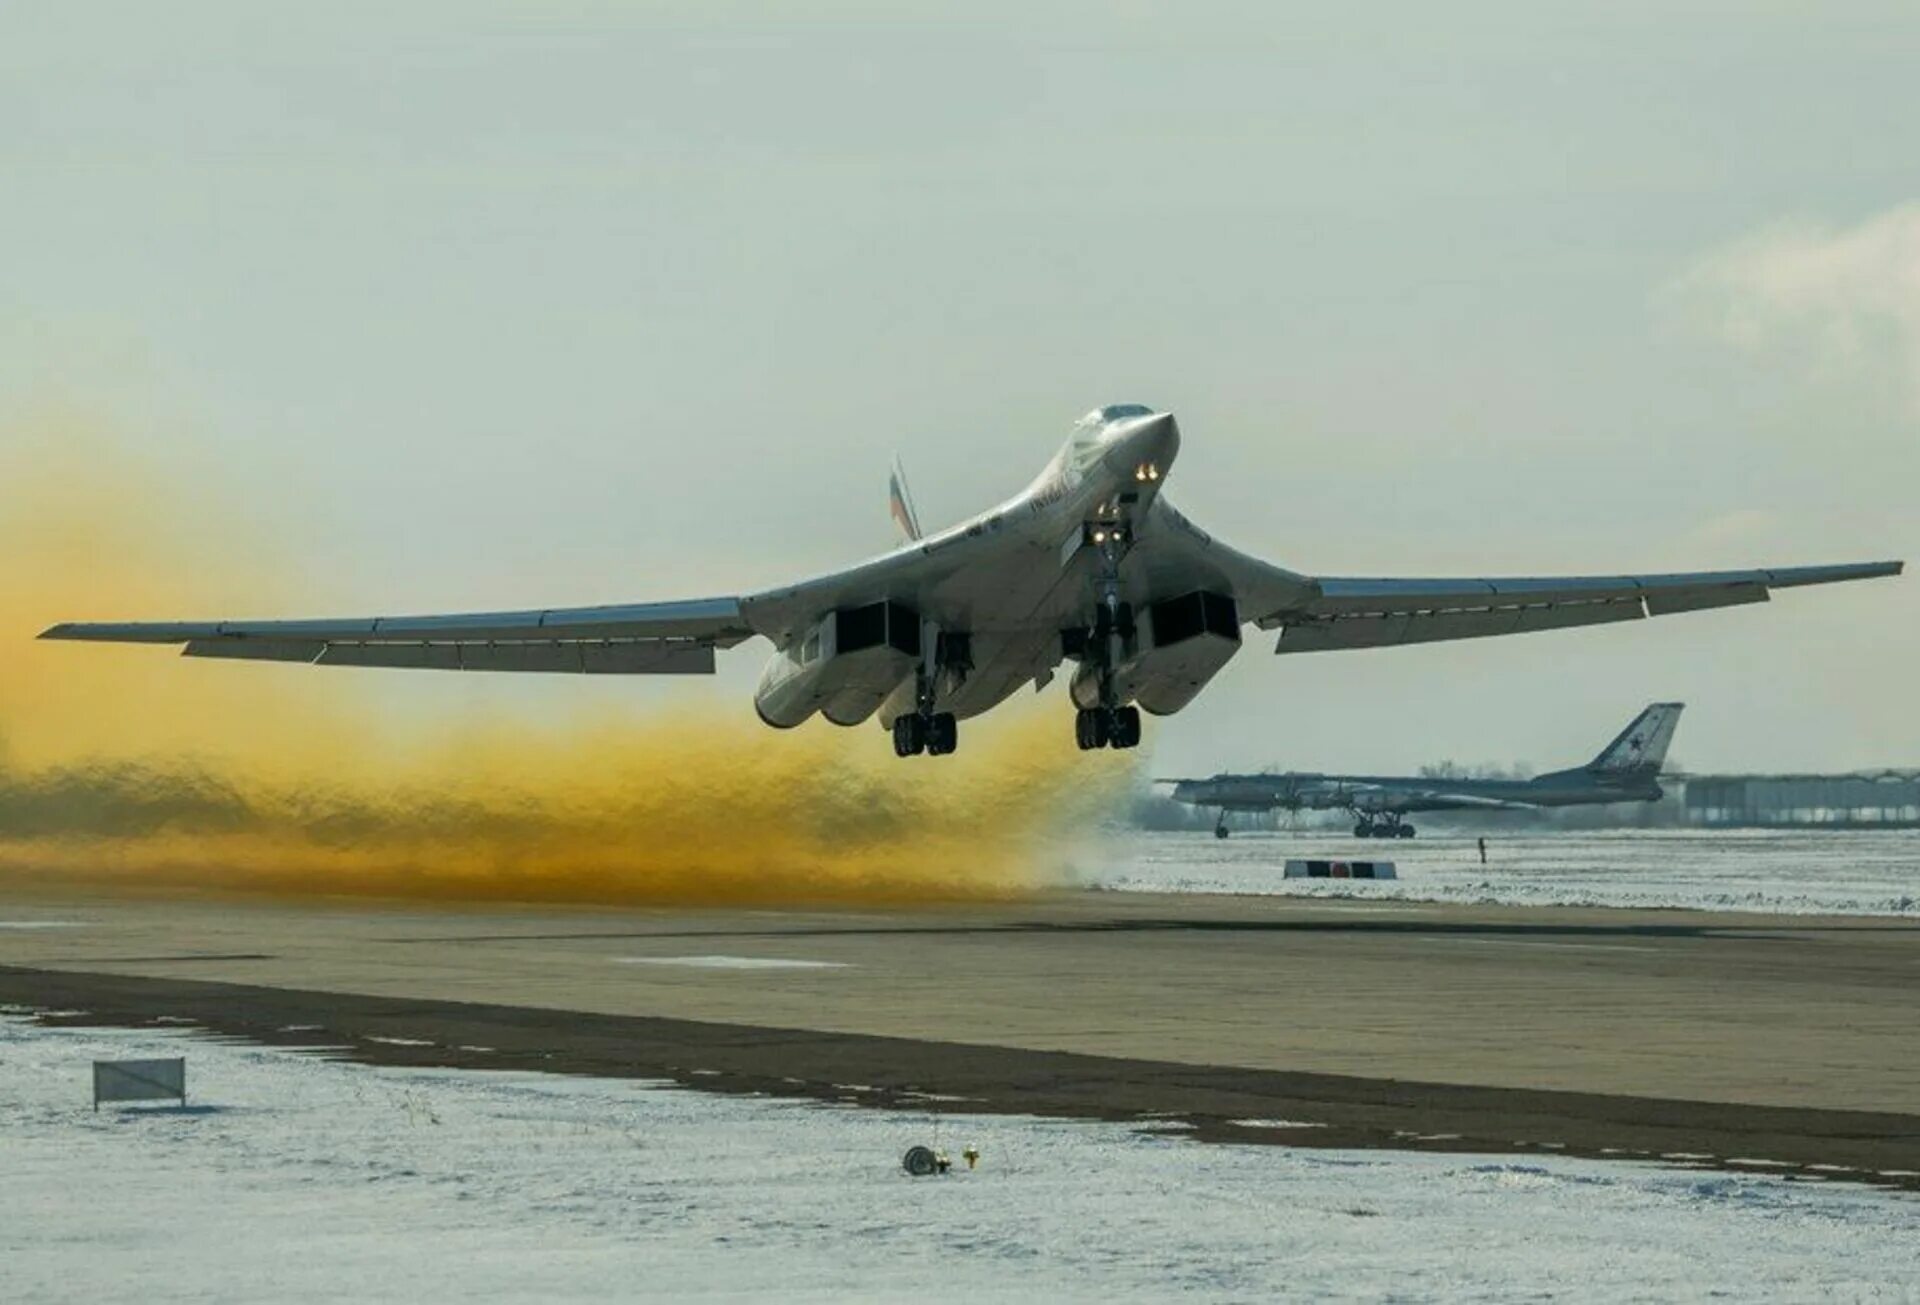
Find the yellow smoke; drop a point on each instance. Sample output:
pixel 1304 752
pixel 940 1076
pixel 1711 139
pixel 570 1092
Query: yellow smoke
pixel 129 768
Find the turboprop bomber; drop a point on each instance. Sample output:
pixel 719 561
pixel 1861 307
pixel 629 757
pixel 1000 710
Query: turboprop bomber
pixel 1089 566
pixel 1627 770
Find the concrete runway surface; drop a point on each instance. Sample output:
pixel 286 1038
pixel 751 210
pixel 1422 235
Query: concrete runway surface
pixel 1780 1043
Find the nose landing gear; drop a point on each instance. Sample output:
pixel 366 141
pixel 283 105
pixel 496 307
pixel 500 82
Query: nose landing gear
pixel 1101 647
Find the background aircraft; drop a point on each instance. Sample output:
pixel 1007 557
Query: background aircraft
pixel 1627 770
pixel 1088 564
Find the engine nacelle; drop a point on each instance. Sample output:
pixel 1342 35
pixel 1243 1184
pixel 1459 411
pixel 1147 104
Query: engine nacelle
pixel 844 666
pixel 1181 645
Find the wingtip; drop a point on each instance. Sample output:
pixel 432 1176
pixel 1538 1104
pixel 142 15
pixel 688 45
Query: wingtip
pixel 64 630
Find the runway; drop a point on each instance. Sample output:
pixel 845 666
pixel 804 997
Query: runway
pixel 1708 1038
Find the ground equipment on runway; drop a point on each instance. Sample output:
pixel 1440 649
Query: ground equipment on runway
pixel 140 1080
pixel 1340 870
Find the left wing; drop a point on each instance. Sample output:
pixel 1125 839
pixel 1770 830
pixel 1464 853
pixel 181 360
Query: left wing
pixel 1464 799
pixel 636 639
pixel 1376 613
pixel 1378 796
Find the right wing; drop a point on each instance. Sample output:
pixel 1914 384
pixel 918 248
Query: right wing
pixel 1315 614
pixel 635 639
pixel 1375 613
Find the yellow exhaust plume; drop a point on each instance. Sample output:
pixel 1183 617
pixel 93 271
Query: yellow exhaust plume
pixel 130 769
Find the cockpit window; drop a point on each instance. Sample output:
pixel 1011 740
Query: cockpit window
pixel 1112 413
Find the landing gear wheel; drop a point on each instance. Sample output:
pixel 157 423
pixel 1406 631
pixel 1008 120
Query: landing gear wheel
pixel 1405 831
pixel 909 735
pixel 1090 729
pixel 1219 831
pixel 1363 830
pixel 943 733
pixel 1125 731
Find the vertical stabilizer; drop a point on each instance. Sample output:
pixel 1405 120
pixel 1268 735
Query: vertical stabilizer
pixel 1641 747
pixel 900 503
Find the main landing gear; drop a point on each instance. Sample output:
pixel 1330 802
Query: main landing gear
pixel 923 729
pixel 1106 727
pixel 934 733
pixel 1382 827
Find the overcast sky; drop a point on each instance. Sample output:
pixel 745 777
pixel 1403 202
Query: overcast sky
pixel 496 305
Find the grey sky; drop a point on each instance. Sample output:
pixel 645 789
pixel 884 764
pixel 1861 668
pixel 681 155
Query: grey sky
pixel 484 305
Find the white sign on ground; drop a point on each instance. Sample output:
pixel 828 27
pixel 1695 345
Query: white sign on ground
pixel 1340 870
pixel 139 1080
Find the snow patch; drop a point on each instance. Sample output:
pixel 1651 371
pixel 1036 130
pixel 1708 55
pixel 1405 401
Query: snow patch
pixel 1785 872
pixel 305 1178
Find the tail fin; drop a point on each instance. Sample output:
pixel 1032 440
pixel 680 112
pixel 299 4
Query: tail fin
pixel 900 503
pixel 1641 747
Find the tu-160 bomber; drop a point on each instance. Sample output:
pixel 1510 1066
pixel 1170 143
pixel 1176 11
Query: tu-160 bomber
pixel 1627 770
pixel 1090 564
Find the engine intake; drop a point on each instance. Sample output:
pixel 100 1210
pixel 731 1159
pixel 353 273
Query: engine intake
pixel 844 666
pixel 1182 644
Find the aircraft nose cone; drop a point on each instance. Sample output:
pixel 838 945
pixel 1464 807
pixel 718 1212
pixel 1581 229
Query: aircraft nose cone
pixel 1159 438
pixel 1148 442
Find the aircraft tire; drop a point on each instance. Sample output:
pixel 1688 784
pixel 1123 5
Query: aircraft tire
pixel 1363 830
pixel 909 736
pixel 1126 727
pixel 943 734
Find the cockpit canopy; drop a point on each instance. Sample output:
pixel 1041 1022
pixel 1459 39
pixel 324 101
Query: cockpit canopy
pixel 1115 412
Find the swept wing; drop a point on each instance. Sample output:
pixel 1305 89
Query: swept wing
pixel 675 638
pixel 1378 612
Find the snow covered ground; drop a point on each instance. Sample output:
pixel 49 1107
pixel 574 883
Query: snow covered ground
pixel 296 1177
pixel 1793 871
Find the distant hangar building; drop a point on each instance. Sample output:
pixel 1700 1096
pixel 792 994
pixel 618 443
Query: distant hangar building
pixel 1882 798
